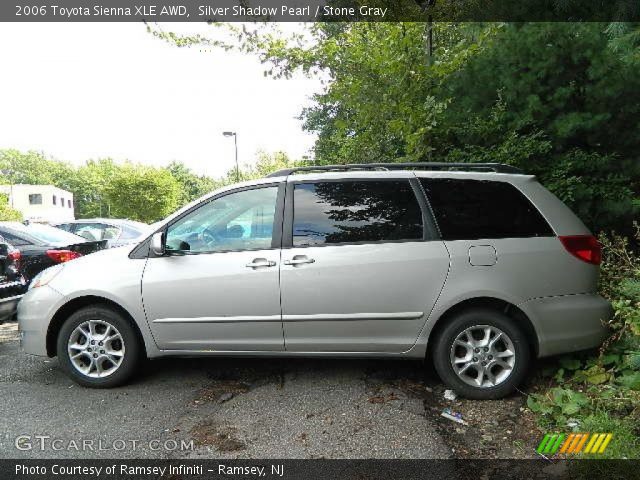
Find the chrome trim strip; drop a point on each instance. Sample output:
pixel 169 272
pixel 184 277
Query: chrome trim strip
pixel 328 317
pixel 319 317
pixel 226 319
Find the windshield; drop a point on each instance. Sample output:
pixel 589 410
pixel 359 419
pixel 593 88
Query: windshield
pixel 52 234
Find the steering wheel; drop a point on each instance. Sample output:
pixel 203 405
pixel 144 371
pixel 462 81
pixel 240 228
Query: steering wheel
pixel 209 236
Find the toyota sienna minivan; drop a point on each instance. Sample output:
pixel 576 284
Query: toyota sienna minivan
pixel 474 267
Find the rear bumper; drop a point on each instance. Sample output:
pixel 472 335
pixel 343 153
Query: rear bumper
pixel 8 307
pixel 10 294
pixel 568 323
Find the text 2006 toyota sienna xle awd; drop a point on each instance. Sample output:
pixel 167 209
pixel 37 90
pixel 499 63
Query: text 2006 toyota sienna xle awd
pixel 477 271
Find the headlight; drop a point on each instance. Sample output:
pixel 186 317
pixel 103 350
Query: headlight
pixel 45 276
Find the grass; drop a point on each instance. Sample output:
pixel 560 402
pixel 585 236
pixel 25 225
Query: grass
pixel 625 444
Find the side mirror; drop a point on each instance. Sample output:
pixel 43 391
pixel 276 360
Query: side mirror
pixel 157 244
pixel 4 249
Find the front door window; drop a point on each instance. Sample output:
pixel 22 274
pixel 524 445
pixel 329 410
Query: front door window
pixel 236 222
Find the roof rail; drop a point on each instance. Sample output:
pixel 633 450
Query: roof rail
pixel 491 167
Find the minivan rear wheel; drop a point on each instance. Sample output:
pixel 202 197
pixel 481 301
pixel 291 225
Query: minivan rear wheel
pixel 481 354
pixel 98 347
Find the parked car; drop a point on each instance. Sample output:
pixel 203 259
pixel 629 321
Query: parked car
pixel 42 246
pixel 12 283
pixel 477 271
pixel 116 232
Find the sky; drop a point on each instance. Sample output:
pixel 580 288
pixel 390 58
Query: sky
pixel 89 90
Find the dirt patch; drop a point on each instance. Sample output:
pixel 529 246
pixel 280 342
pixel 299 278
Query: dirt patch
pixel 221 437
pixel 221 391
pixel 230 379
pixel 494 428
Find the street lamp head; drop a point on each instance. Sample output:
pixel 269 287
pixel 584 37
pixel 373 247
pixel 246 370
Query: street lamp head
pixel 228 134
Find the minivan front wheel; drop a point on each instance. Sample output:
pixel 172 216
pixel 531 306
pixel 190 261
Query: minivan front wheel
pixel 98 348
pixel 481 354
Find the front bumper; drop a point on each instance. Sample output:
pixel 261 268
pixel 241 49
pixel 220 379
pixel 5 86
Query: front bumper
pixel 35 311
pixel 568 323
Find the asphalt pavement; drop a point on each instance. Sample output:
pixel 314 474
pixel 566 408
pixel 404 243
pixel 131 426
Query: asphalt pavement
pixel 217 408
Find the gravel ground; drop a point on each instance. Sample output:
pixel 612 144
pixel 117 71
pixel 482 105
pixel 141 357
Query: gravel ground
pixel 230 408
pixel 251 408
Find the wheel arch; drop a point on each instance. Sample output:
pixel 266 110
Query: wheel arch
pixel 69 308
pixel 502 306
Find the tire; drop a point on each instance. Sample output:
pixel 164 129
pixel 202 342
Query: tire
pixel 103 368
pixel 469 355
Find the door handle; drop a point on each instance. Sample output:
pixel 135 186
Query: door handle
pixel 299 260
pixel 261 262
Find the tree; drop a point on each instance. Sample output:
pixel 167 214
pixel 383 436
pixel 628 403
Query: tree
pixel 142 193
pixel 266 163
pixel 33 168
pixel 6 212
pixel 89 184
pixel 192 186
pixel 559 100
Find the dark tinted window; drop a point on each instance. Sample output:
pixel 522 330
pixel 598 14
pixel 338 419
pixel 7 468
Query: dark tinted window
pixel 355 211
pixel 470 209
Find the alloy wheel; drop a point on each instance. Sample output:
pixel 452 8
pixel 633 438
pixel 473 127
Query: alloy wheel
pixel 483 356
pixel 96 348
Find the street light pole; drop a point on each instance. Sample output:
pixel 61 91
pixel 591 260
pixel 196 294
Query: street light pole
pixel 235 142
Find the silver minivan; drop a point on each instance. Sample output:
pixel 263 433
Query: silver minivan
pixel 475 267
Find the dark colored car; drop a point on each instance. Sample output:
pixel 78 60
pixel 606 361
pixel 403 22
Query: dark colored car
pixel 42 246
pixel 12 283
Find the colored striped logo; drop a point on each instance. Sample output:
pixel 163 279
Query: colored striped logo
pixel 574 443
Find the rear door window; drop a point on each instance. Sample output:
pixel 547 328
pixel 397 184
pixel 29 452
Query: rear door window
pixel 357 211
pixel 474 209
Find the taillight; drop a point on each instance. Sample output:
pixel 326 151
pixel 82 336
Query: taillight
pixel 585 247
pixel 61 256
pixel 15 256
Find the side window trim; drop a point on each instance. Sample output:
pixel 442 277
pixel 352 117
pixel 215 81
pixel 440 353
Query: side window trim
pixel 276 240
pixel 429 226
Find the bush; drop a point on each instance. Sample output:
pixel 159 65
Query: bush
pixel 7 213
pixel 602 390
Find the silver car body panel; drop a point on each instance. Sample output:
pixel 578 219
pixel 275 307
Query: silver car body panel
pixel 375 299
pixel 214 301
pixel 380 295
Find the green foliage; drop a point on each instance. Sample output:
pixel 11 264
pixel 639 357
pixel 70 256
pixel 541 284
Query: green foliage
pixel 557 99
pixel 104 188
pixel 192 186
pixel 142 193
pixel 604 389
pixel 88 184
pixel 626 442
pixel 33 168
pixel 265 164
pixel 558 403
pixel 6 212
